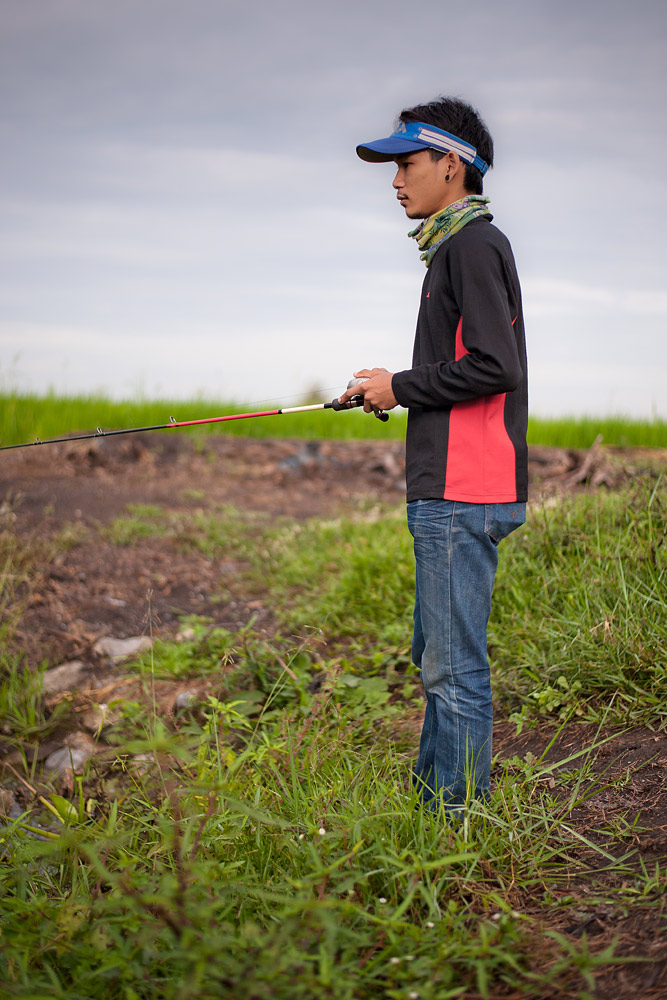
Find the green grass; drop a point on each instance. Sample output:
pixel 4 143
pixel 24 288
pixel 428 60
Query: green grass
pixel 21 564
pixel 24 417
pixel 22 712
pixel 297 867
pixel 216 532
pixel 577 627
pixel 579 619
pixel 351 576
pixel 581 432
pixel 578 622
pixel 267 843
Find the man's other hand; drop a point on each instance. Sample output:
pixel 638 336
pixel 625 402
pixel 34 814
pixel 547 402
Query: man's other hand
pixel 377 391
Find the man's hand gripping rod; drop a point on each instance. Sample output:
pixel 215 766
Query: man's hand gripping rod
pixel 356 401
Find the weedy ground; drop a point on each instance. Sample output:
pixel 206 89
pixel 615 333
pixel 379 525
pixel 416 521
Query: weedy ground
pixel 260 837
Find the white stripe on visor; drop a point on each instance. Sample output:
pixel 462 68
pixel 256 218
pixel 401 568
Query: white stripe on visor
pixel 437 139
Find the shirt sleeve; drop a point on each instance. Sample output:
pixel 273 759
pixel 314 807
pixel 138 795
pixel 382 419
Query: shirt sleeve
pixel 487 359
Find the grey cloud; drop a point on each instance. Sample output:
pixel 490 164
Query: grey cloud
pixel 175 166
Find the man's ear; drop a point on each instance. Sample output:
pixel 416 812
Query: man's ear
pixel 453 164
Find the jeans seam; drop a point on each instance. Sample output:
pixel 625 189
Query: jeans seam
pixel 450 667
pixel 430 731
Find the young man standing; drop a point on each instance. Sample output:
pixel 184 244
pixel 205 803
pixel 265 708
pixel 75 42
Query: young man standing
pixel 466 455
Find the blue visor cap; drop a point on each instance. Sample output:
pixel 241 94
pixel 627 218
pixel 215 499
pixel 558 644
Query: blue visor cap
pixel 412 137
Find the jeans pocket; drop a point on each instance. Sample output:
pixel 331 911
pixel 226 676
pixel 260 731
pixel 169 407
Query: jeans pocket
pixel 429 519
pixel 501 519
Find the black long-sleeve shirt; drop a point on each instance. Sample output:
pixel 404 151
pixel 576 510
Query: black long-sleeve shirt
pixel 467 388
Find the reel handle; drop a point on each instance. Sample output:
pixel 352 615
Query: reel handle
pixel 358 401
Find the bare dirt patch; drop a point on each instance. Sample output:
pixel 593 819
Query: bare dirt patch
pixel 96 587
pixel 92 587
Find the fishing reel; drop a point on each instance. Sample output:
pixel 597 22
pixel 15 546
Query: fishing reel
pixel 358 401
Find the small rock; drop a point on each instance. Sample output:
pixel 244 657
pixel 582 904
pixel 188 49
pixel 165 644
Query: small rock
pixel 97 717
pixel 184 700
pixel 142 763
pixel 78 747
pixel 387 465
pixel 119 649
pixel 8 805
pixel 186 635
pixel 307 457
pixel 115 602
pixel 66 677
pixel 67 757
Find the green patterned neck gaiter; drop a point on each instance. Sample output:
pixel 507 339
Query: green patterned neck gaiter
pixel 437 228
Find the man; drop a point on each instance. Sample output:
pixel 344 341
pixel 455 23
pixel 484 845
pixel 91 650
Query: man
pixel 466 455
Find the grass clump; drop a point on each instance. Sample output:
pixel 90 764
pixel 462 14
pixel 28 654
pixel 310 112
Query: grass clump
pixel 21 563
pixel 352 576
pixel 296 867
pixel 222 530
pixel 23 716
pixel 578 626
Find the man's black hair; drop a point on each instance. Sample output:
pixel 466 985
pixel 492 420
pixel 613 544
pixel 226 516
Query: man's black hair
pixel 462 120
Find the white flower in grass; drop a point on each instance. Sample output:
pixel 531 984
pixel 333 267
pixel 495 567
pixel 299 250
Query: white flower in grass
pixel 413 995
pixel 393 960
pixel 381 900
pixel 322 831
pixel 429 924
pixel 301 836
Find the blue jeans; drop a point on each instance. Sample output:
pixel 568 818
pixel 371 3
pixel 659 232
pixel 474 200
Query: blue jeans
pixel 456 554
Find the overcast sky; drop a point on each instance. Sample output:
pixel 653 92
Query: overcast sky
pixel 182 210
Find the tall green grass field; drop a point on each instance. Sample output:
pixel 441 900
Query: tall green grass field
pixel 25 417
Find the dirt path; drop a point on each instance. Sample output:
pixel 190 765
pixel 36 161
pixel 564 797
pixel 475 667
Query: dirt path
pixel 94 587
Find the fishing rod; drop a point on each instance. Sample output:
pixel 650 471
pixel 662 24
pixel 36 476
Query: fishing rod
pixel 99 433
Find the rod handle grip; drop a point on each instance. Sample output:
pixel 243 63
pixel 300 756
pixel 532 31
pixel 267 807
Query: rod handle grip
pixel 357 401
pixel 350 404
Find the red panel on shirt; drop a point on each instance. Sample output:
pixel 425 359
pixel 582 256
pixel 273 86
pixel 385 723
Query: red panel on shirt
pixel 481 462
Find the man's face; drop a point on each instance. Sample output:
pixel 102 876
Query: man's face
pixel 420 184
